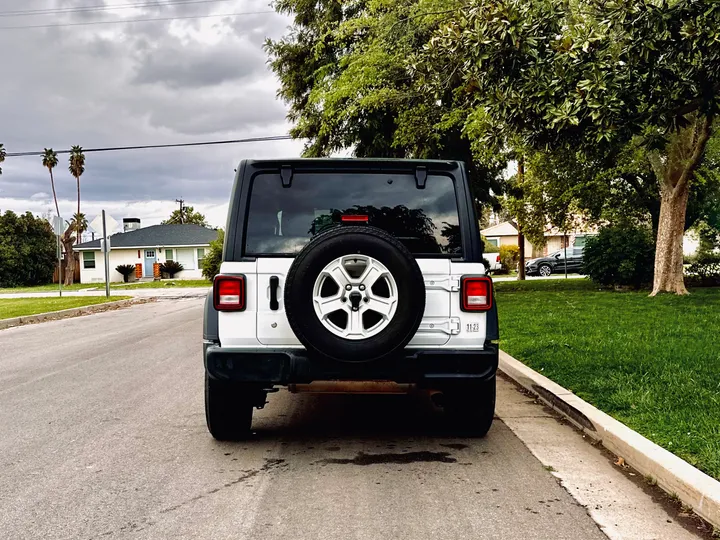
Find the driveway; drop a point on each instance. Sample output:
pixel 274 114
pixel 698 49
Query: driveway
pixel 102 435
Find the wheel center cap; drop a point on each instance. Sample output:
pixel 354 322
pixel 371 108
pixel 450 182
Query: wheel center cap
pixel 355 298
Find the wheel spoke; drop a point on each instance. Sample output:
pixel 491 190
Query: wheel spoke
pixel 371 274
pixel 355 325
pixel 380 305
pixel 339 275
pixel 329 305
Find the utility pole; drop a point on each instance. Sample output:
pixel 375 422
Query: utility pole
pixel 182 210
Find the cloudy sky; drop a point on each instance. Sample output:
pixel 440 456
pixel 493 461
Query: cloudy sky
pixel 131 83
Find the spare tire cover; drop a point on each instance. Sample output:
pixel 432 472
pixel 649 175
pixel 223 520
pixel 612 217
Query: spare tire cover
pixel 354 294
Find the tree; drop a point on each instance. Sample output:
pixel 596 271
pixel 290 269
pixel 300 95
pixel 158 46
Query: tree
pixel 27 250
pixel 214 256
pixel 186 215
pixel 2 155
pixel 80 224
pixel 345 74
pixel 588 75
pixel 50 161
pixel 77 168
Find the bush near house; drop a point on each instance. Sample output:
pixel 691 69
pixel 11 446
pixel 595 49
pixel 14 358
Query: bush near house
pixel 125 270
pixel 509 257
pixel 28 252
pixel 621 256
pixel 488 247
pixel 213 257
pixel 171 268
pixel 704 271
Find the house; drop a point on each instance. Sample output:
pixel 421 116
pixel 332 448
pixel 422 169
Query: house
pixel 506 234
pixel 186 244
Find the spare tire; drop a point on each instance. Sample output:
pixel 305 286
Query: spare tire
pixel 354 294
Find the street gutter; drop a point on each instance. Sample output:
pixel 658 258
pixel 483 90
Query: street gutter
pixel 72 312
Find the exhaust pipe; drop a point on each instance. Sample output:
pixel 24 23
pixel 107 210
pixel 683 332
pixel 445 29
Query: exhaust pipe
pixel 351 387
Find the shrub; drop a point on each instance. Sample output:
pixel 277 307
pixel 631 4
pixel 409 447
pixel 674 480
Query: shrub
pixel 126 270
pixel 509 257
pixel 488 247
pixel 27 250
pixel 214 256
pixel 621 256
pixel 704 270
pixel 171 268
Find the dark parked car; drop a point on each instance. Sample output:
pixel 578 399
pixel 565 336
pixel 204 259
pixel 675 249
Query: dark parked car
pixel 555 263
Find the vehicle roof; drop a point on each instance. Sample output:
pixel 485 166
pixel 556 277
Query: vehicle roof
pixel 351 163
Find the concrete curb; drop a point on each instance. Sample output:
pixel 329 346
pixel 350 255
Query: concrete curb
pixel 674 475
pixel 67 313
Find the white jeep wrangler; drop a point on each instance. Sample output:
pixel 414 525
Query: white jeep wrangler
pixel 350 275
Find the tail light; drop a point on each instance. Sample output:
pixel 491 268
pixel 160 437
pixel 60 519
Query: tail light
pixel 476 293
pixel 497 259
pixel 352 218
pixel 229 293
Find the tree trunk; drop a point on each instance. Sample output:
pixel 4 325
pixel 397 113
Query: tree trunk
pixel 67 241
pixel 79 230
pixel 669 243
pixel 521 236
pixel 52 184
pixel 675 172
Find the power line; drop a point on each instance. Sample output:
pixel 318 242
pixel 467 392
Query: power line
pixel 123 21
pixel 149 146
pixel 86 9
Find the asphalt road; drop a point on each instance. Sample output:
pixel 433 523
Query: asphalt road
pixel 102 435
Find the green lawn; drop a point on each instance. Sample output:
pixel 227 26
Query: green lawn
pixel 19 307
pixel 181 283
pixel 47 288
pixel 143 285
pixel 652 363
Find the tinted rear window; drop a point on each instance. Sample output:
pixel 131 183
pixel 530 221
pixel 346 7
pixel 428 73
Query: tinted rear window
pixel 281 221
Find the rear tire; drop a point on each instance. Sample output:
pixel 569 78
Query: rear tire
pixel 228 410
pixel 469 410
pixel 544 270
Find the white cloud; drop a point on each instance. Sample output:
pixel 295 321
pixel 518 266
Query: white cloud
pixel 141 83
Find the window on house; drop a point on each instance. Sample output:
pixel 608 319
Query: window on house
pixel 186 257
pixel 492 242
pixel 169 255
pixel 201 256
pixel 88 259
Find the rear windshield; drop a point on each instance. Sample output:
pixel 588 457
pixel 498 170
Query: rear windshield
pixel 281 221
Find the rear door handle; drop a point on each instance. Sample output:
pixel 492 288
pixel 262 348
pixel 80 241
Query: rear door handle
pixel 274 285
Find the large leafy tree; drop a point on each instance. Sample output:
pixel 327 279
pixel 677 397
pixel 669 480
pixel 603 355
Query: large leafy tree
pixel 345 73
pixel 186 215
pixel 591 75
pixel 27 250
pixel 50 161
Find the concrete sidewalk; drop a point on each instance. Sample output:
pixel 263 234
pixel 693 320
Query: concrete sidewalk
pixel 165 292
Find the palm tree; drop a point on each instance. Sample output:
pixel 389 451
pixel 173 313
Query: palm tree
pixel 77 168
pixel 50 161
pixel 2 155
pixel 80 224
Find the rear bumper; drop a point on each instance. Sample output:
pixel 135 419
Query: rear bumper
pixel 281 367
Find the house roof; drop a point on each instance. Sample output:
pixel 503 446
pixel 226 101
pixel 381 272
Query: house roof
pixel 501 229
pixel 157 235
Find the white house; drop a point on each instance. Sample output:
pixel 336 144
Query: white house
pixel 186 244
